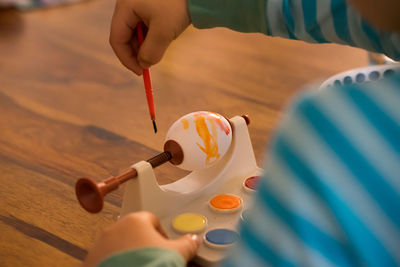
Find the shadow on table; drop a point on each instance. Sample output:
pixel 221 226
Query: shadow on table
pixel 11 23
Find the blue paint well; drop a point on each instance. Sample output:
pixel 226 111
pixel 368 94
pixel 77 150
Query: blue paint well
pixel 222 236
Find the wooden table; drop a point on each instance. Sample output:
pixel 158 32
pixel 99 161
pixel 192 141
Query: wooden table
pixel 69 109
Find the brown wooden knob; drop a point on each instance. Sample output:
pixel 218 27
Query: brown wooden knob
pixel 91 194
pixel 246 118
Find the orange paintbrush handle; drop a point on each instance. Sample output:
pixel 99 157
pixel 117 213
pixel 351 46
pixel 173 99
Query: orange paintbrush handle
pixel 146 76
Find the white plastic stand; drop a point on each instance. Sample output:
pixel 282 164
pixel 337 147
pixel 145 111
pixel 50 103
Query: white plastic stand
pixel 361 75
pixel 191 193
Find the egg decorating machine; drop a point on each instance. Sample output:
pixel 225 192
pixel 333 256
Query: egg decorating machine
pixel 220 156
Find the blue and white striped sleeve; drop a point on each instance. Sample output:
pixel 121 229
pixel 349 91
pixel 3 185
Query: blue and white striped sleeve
pixel 330 195
pixel 314 21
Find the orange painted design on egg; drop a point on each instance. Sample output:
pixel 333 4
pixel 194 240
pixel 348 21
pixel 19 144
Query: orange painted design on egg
pixel 185 124
pixel 209 139
pixel 226 202
pixel 225 127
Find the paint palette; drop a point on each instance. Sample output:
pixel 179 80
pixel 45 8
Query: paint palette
pixel 215 220
pixel 361 75
pixel 209 201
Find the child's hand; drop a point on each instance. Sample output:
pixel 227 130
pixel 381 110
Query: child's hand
pixel 165 20
pixel 137 230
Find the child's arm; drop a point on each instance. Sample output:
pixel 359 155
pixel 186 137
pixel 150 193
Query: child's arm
pixel 139 239
pixel 314 21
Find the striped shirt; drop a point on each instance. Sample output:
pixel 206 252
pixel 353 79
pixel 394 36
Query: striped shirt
pixel 331 191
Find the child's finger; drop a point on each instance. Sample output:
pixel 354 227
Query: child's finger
pixel 187 245
pixel 121 34
pixel 157 225
pixel 156 42
pixel 149 219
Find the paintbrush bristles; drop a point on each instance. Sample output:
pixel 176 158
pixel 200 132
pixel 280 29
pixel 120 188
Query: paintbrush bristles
pixel 154 126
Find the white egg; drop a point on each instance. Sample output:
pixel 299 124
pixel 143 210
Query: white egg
pixel 204 138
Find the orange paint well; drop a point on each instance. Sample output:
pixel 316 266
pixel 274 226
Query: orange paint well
pixel 226 202
pixel 210 140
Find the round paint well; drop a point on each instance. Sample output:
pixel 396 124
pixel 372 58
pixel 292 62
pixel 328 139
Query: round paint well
pixel 374 75
pixel 347 80
pixel 189 223
pixel 220 238
pixel 388 73
pixel 251 183
pixel 360 77
pixel 226 203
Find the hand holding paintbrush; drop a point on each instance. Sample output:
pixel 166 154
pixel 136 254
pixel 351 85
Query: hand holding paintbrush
pixel 165 20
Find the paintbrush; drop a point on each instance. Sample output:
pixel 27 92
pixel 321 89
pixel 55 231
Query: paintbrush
pixel 147 80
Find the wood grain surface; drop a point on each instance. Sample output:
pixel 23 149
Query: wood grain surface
pixel 69 109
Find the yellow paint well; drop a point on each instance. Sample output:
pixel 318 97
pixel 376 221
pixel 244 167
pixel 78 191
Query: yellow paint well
pixel 189 223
